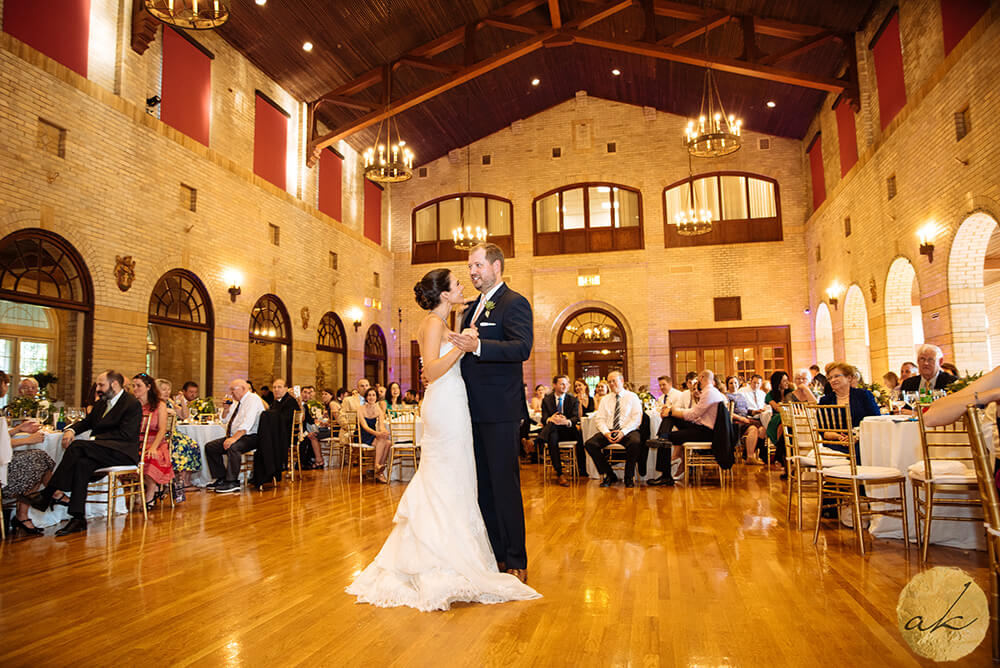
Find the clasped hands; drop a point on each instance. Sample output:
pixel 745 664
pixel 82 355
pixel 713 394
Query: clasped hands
pixel 560 419
pixel 615 435
pixel 467 341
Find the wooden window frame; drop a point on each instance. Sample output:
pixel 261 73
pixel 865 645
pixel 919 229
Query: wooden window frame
pixel 726 230
pixel 588 239
pixel 443 250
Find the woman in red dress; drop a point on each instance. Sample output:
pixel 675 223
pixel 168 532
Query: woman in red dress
pixel 157 468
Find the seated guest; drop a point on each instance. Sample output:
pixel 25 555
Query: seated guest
pixel 282 400
pixel 617 420
pixel 114 425
pixel 28 387
pixel 931 377
pixel 380 390
pixel 90 397
pixel 331 403
pixel 601 390
pixel 747 426
pixel 536 401
pixel 26 471
pixel 315 430
pixel 185 455
pixel 266 394
pixel 800 390
pixel 780 386
pixel 815 377
pixel 669 395
pixel 755 396
pixel 187 394
pixel 907 370
pixel 410 398
pixel 861 402
pixel 393 397
pixel 157 467
pixel 349 409
pixel 225 455
pixel 374 431
pixel 693 424
pixel 688 396
pixel 560 419
pixel 582 393
pixel 950 368
pixel 891 381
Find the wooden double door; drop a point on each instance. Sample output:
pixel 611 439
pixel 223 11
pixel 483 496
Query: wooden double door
pixel 732 351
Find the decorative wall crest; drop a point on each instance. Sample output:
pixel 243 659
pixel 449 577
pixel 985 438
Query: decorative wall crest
pixel 124 272
pixel 873 289
pixel 305 317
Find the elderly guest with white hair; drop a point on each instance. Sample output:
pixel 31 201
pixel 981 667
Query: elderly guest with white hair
pixel 28 387
pixel 931 376
pixel 241 436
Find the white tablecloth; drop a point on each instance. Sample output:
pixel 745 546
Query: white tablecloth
pixel 588 429
pixel 202 434
pixel 97 508
pixel 888 441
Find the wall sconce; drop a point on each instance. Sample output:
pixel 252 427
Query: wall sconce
pixel 833 294
pixel 233 279
pixel 356 315
pixel 926 237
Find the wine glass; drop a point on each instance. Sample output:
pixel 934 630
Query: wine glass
pixel 910 398
pixel 43 415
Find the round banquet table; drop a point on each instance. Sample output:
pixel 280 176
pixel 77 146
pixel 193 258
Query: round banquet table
pixel 97 508
pixel 202 434
pixel 588 429
pixel 889 440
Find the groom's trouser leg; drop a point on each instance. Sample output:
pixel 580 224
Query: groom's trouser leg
pixel 499 475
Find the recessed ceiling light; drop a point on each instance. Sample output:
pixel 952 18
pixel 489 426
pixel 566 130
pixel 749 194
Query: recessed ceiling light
pixel 261 2
pixel 308 46
pixel 536 81
pixel 771 104
pixel 616 72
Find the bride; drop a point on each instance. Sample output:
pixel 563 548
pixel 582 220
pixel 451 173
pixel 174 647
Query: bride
pixel 438 552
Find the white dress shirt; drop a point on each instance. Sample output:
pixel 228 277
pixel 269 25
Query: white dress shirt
pixel 485 298
pixel 629 416
pixel 245 414
pixel 704 411
pixel 755 398
pixel 683 401
pixel 670 399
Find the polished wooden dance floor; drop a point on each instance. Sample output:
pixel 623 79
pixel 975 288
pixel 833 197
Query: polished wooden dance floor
pixel 644 577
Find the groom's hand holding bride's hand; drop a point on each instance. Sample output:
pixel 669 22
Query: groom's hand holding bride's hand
pixel 467 341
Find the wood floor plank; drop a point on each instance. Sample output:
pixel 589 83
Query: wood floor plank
pixel 639 577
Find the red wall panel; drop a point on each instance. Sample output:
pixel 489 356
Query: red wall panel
pixel 958 17
pixel 847 136
pixel 373 212
pixel 186 92
pixel 889 72
pixel 331 169
pixel 58 28
pixel 270 142
pixel 816 167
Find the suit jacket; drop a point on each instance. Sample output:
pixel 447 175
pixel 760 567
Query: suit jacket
pixel 571 410
pixel 494 380
pixel 912 384
pixel 724 438
pixel 119 429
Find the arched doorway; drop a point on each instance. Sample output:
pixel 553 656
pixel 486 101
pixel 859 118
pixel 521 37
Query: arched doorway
pixel 376 358
pixel 46 312
pixel 331 353
pixel 904 326
pixel 181 327
pixel 857 343
pixel 824 336
pixel 590 345
pixel 974 293
pixel 270 342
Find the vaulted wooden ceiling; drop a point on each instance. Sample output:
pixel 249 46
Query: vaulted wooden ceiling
pixel 459 94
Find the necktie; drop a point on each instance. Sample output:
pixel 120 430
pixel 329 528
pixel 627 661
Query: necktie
pixel 107 409
pixel 479 309
pixel 229 425
pixel 559 410
pixel 616 422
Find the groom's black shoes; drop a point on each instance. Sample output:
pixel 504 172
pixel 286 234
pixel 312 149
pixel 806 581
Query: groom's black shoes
pixel 609 480
pixel 665 480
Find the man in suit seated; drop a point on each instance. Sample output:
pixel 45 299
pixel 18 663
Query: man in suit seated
pixel 560 418
pixel 694 424
pixel 617 420
pixel 114 425
pixel 241 436
pixel 931 376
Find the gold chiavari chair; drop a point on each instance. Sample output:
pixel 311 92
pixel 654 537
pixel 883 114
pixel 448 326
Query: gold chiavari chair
pixel 404 445
pixel 168 433
pixel 797 449
pixel 945 451
pixel 331 444
pixel 567 456
pixel 362 450
pixel 125 481
pixel 843 482
pixel 246 469
pixel 348 434
pixel 294 460
pixel 982 460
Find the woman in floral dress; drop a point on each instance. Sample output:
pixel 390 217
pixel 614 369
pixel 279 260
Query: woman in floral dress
pixel 157 468
pixel 184 450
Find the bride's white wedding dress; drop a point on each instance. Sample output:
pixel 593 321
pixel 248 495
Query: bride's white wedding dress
pixel 438 552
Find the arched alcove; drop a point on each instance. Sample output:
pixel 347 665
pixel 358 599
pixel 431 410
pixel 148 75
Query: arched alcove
pixel 857 347
pixel 824 335
pixel 974 291
pixel 904 328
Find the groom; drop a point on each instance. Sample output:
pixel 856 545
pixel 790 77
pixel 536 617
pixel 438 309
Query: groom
pixel 497 331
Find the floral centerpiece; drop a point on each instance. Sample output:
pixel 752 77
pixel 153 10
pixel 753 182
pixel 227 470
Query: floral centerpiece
pixel 20 406
pixel 881 394
pixel 963 382
pixel 45 378
pixel 647 399
pixel 202 406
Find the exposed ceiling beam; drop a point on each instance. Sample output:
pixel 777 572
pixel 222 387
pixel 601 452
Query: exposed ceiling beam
pixel 763 26
pixel 555 18
pixel 699 28
pixel 602 13
pixel 515 26
pixel 427 64
pixel 799 48
pixel 349 102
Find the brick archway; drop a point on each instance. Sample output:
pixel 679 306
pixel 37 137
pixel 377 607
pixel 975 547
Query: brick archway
pixel 967 292
pixel 903 319
pixel 823 332
pixel 857 348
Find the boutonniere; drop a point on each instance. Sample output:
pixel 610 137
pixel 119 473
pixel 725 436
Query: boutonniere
pixel 489 306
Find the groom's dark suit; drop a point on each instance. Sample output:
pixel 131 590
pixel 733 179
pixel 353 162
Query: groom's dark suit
pixel 495 385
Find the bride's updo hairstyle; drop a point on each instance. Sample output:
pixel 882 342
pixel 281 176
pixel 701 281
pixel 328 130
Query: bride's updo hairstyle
pixel 429 288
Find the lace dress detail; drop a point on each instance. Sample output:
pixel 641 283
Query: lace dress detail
pixel 438 552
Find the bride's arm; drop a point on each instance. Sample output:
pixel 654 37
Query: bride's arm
pixel 430 345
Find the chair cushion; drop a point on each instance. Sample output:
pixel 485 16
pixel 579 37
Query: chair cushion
pixel 864 472
pixel 944 470
pixel 117 469
pixel 698 445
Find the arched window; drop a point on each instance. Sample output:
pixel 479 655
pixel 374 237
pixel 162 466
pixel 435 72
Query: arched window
pixel 745 208
pixel 376 359
pixel 181 327
pixel 592 344
pixel 331 353
pixel 270 342
pixel 588 218
pixel 41 268
pixel 434 221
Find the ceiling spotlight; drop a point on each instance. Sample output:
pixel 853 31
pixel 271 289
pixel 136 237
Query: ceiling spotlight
pixel 616 72
pixel 261 2
pixel 307 47
pixel 536 81
pixel 771 104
